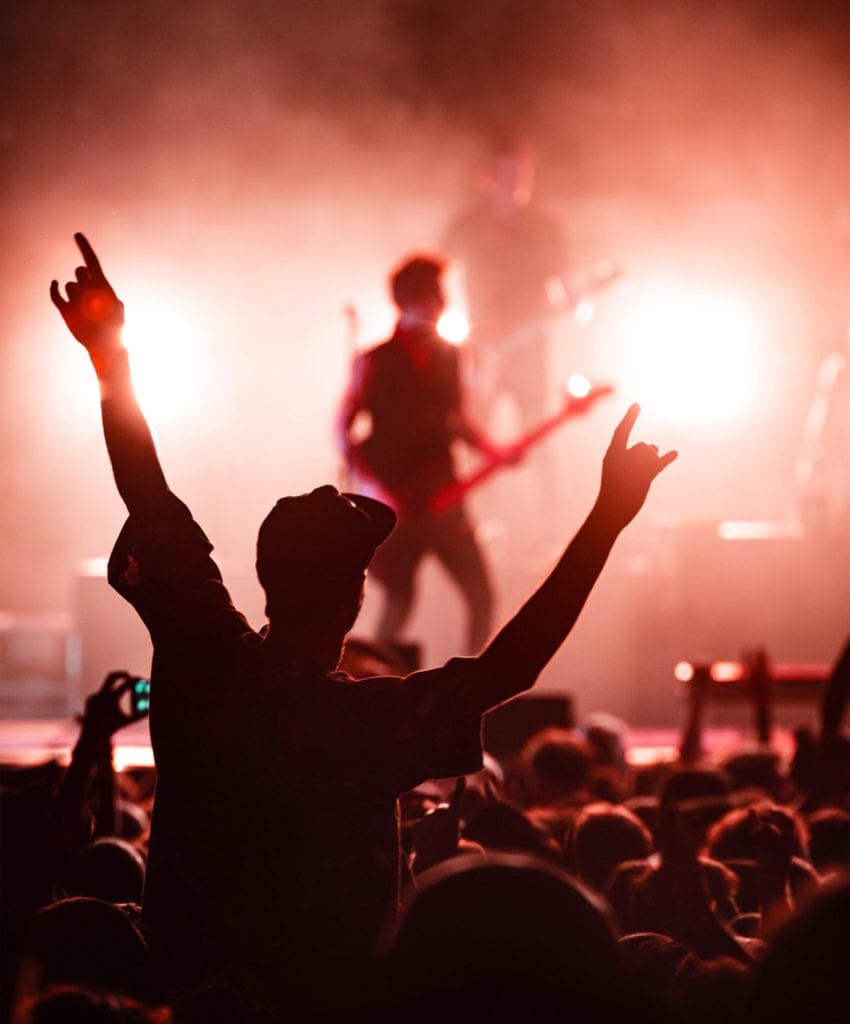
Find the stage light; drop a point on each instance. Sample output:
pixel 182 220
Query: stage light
pixel 684 671
pixel 727 671
pixel 717 671
pixel 578 386
pixel 127 755
pixel 161 342
pixel 584 311
pixel 647 756
pixel 758 529
pixel 693 353
pixel 453 326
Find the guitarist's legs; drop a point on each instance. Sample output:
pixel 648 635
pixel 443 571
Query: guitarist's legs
pixel 453 542
pixel 451 538
pixel 394 566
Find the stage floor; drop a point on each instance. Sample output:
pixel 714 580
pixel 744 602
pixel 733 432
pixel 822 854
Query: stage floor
pixel 27 741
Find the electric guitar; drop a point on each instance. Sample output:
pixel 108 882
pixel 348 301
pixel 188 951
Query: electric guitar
pixel 498 349
pixel 451 494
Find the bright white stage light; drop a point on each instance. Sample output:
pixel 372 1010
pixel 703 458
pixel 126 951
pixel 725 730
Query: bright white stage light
pixel 727 671
pixel 578 385
pixel 693 354
pixel 683 671
pixel 162 344
pixel 453 326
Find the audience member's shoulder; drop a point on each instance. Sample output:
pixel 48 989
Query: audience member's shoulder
pixel 363 683
pixel 443 679
pixel 457 668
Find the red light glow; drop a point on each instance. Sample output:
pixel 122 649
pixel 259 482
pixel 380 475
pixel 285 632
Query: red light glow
pixel 96 305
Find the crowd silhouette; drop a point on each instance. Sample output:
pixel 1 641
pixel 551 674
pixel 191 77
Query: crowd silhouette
pixel 329 845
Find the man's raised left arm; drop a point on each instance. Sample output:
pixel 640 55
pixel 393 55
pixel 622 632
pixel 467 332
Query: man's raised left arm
pixel 94 315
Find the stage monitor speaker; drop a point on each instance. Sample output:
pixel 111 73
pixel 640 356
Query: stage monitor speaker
pixel 507 728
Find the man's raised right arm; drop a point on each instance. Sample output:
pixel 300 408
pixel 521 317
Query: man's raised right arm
pixel 514 658
pixel 94 315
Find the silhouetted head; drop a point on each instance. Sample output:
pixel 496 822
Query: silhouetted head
pixel 498 826
pixel 606 734
pixel 560 761
pixel 312 554
pixel 713 990
pixel 804 975
pixel 89 942
pixel 481 934
pixel 759 769
pixel 87 1006
pixel 506 175
pixel 829 839
pixel 656 962
pixel 417 289
pixel 733 836
pixel 695 784
pixel 605 836
pixel 108 869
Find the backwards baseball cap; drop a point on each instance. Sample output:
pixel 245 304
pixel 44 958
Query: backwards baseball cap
pixel 319 538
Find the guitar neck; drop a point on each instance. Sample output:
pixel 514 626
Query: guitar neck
pixel 526 332
pixel 452 494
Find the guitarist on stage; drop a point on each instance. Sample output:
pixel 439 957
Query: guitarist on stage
pixel 410 388
pixel 513 254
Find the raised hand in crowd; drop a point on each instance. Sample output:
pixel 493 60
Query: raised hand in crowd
pixel 89 783
pixel 679 896
pixel 530 639
pixel 92 311
pixel 760 686
pixel 436 835
pixel 106 712
pixel 628 472
pixel 821 764
pixel 775 843
pixel 691 744
pixel 837 696
pixel 94 315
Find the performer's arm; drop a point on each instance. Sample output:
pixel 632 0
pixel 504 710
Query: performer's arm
pixel 467 432
pixel 463 427
pixel 515 657
pixel 95 316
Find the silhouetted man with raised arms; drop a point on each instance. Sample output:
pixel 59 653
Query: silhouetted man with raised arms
pixel 274 850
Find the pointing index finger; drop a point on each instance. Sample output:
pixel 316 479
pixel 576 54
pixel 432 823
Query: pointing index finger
pixel 89 255
pixel 624 427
